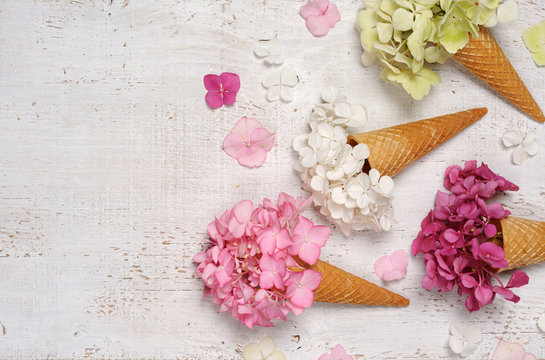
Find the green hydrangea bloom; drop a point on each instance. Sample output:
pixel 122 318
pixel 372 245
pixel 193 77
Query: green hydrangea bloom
pixel 404 35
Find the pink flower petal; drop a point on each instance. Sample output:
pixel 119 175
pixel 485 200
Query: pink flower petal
pixel 382 265
pixel 509 351
pixel 243 210
pixel 302 297
pixel 312 8
pixel 311 279
pixel 332 15
pixel 400 259
pixel 230 82
pixel 318 25
pixel 245 126
pixel 212 82
pixel 213 99
pixel 518 279
pixel 309 253
pixel 252 157
pixel 233 145
pixel 262 138
pixel 393 267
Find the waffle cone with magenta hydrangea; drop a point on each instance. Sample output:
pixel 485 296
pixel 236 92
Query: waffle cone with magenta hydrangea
pixel 263 263
pixel 467 239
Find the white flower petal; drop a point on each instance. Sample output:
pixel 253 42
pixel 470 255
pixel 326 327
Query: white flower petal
pixel 507 11
pixel 261 51
pixel 385 223
pixel 317 183
pixel 338 195
pixel 273 93
pixel 300 142
pixel 361 151
pixel 270 78
pixel 519 155
pixel 363 201
pixel 541 322
pixel 374 176
pixel 457 330
pixel 288 76
pixel 309 161
pixel 532 148
pixel 252 352
pixel 512 137
pixel 286 93
pixel 386 185
pixel 335 210
pixel 358 117
pixel 472 334
pixel 354 190
pixel 468 349
pixel 267 345
pixel 350 203
pixel 343 110
pixel 330 94
pixel 335 174
pixel 456 344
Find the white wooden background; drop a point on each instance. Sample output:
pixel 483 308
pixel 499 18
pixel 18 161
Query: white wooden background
pixel 111 167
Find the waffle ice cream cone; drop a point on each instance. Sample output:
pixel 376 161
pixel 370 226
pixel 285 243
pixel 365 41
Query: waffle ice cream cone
pixel 394 148
pixel 523 241
pixel 484 58
pixel 341 287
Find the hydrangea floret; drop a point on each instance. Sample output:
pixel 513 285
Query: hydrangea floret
pixel 253 266
pixel 461 237
pixel 332 170
pixel 405 35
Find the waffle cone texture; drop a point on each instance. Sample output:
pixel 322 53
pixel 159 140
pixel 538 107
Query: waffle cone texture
pixel 523 241
pixel 484 58
pixel 341 287
pixel 393 149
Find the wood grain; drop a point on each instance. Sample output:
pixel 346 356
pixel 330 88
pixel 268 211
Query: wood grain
pixel 111 167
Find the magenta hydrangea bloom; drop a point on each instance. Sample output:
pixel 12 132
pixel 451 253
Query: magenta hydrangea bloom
pixel 460 239
pixel 248 269
pixel 222 89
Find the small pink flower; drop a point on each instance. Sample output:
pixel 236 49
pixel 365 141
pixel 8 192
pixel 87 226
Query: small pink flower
pixel 301 287
pixel 337 353
pixel 222 89
pixel 511 351
pixel 392 267
pixel 308 240
pixel 272 272
pixel 320 16
pixel 248 142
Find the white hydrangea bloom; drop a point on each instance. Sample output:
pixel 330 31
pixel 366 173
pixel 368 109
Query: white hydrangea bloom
pixel 332 170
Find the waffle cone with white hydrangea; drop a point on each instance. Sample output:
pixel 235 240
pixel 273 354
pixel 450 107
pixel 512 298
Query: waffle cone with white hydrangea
pixel 350 175
pixel 394 148
pixel 405 36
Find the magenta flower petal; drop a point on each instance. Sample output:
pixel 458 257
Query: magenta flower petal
pixel 212 82
pixel 483 295
pixel 518 279
pixel 318 25
pixel 214 99
pixel 230 82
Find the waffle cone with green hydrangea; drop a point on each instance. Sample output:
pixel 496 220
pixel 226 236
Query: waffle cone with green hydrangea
pixel 406 35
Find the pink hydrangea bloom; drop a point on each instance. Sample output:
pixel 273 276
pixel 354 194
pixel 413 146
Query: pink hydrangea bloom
pixel 392 267
pixel 337 353
pixel 222 89
pixel 308 240
pixel 460 241
pixel 248 269
pixel 320 16
pixel 511 351
pixel 248 142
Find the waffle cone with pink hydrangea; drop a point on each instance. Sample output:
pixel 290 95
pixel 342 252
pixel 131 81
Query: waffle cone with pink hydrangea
pixel 466 241
pixel 393 149
pixel 263 263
